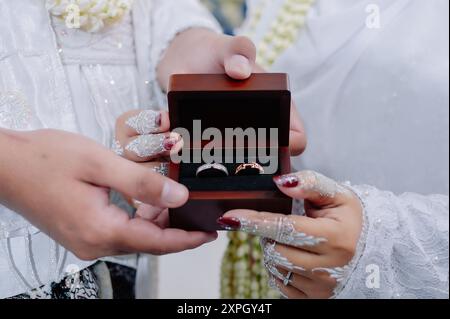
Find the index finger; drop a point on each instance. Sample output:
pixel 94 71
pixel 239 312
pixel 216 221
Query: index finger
pixel 138 235
pixel 141 122
pixel 297 231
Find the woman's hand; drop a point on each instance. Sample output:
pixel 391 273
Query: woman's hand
pixel 143 136
pixel 203 51
pixel 306 255
pixel 60 182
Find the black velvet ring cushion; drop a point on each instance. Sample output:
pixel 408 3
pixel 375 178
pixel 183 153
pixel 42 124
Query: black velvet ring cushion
pixel 187 177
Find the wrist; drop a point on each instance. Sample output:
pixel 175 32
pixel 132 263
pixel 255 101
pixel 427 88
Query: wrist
pixel 359 194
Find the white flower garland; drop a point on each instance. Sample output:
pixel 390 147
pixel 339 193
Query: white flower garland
pixel 243 272
pixel 89 15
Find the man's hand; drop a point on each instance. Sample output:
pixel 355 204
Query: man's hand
pixel 60 182
pixel 203 51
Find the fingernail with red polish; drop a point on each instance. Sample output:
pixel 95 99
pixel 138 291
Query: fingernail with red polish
pixel 288 181
pixel 229 223
pixel 169 143
pixel 212 237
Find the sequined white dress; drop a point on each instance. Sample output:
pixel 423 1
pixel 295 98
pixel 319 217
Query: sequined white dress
pixel 55 77
pixel 376 107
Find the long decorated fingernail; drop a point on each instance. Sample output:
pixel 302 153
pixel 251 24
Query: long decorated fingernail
pixel 288 181
pixel 282 230
pixel 146 122
pixel 313 182
pixel 229 223
pixel 148 145
pixel 152 145
pixel 170 142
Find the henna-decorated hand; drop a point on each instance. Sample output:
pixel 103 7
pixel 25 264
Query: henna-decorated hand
pixel 306 255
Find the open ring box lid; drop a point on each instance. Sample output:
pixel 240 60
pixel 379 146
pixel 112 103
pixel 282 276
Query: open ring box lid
pixel 262 104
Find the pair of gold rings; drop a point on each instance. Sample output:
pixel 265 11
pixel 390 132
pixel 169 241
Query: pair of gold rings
pixel 219 170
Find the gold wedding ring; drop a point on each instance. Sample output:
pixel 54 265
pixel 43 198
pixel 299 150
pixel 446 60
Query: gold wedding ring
pixel 249 169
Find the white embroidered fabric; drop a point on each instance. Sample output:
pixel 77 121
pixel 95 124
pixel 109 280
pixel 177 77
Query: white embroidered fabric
pixel 383 113
pixel 68 79
pixel 403 251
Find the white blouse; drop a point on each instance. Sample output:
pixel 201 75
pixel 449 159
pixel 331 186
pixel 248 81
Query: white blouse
pixel 375 105
pixel 55 77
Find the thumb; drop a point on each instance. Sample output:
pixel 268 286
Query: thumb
pixel 313 187
pixel 140 183
pixel 239 57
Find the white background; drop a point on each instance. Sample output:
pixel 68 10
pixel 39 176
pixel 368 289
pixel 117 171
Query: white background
pixel 193 274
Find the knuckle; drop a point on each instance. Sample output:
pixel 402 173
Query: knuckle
pixel 244 44
pixel 91 164
pixel 145 186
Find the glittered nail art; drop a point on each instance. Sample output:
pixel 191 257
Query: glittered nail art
pixel 312 181
pixel 146 122
pixel 282 230
pixel 288 181
pixel 151 145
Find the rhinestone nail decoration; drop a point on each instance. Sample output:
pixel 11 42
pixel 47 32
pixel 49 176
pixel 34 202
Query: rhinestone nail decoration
pixel 282 230
pixel 313 181
pixel 146 122
pixel 148 145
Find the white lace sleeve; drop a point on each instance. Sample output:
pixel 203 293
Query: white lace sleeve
pixel 403 252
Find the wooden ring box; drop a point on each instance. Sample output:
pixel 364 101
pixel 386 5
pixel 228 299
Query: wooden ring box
pixel 261 102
